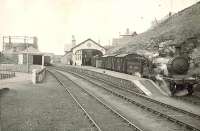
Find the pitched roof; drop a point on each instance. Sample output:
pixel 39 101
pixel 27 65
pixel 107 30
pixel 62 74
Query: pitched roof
pixel 122 55
pixel 88 40
pixel 30 50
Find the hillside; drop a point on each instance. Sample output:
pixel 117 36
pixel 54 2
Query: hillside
pixel 178 27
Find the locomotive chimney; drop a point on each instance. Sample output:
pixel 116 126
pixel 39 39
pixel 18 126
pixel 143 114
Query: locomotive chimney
pixel 73 41
pixel 127 31
pixel 177 50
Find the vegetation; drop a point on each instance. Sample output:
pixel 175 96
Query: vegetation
pixel 178 28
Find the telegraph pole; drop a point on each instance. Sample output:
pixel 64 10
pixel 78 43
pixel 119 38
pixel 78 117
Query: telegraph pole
pixel 27 59
pixel 3 44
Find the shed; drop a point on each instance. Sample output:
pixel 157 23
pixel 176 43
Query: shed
pixel 34 57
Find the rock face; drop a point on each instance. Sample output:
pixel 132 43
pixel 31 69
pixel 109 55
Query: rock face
pixel 182 28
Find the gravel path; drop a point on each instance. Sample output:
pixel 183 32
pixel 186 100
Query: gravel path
pixel 41 107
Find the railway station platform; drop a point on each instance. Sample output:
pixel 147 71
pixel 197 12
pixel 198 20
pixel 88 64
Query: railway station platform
pixel 150 89
pixel 146 85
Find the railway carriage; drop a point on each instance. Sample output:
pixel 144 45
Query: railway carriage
pixel 136 63
pixel 120 63
pixel 103 61
pixel 109 62
pixel 125 63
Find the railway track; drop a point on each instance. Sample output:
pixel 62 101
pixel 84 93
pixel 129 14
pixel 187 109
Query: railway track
pixel 191 99
pixel 98 107
pixel 186 119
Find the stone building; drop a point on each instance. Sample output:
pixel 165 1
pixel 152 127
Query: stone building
pixel 82 53
pixel 124 38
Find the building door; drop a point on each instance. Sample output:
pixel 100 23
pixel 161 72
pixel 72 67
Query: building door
pixel 37 59
pixel 88 54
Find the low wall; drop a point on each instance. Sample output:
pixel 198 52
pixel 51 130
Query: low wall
pixel 114 80
pixel 18 67
pixel 38 75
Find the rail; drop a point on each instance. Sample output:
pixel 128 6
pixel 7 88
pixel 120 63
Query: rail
pixel 136 128
pixel 77 102
pixel 170 118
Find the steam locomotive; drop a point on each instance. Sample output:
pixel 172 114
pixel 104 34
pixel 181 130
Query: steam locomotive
pixel 174 76
pixel 177 78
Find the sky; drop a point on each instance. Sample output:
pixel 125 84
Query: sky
pixel 55 21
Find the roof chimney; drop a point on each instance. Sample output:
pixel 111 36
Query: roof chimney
pixel 35 42
pixel 127 31
pixel 73 41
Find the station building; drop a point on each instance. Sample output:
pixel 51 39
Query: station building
pixel 82 53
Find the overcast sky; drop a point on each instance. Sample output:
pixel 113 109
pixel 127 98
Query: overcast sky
pixel 55 21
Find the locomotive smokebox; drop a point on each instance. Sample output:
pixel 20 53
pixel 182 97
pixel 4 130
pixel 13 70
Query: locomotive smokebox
pixel 179 64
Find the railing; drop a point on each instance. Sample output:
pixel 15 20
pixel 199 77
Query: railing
pixel 4 74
